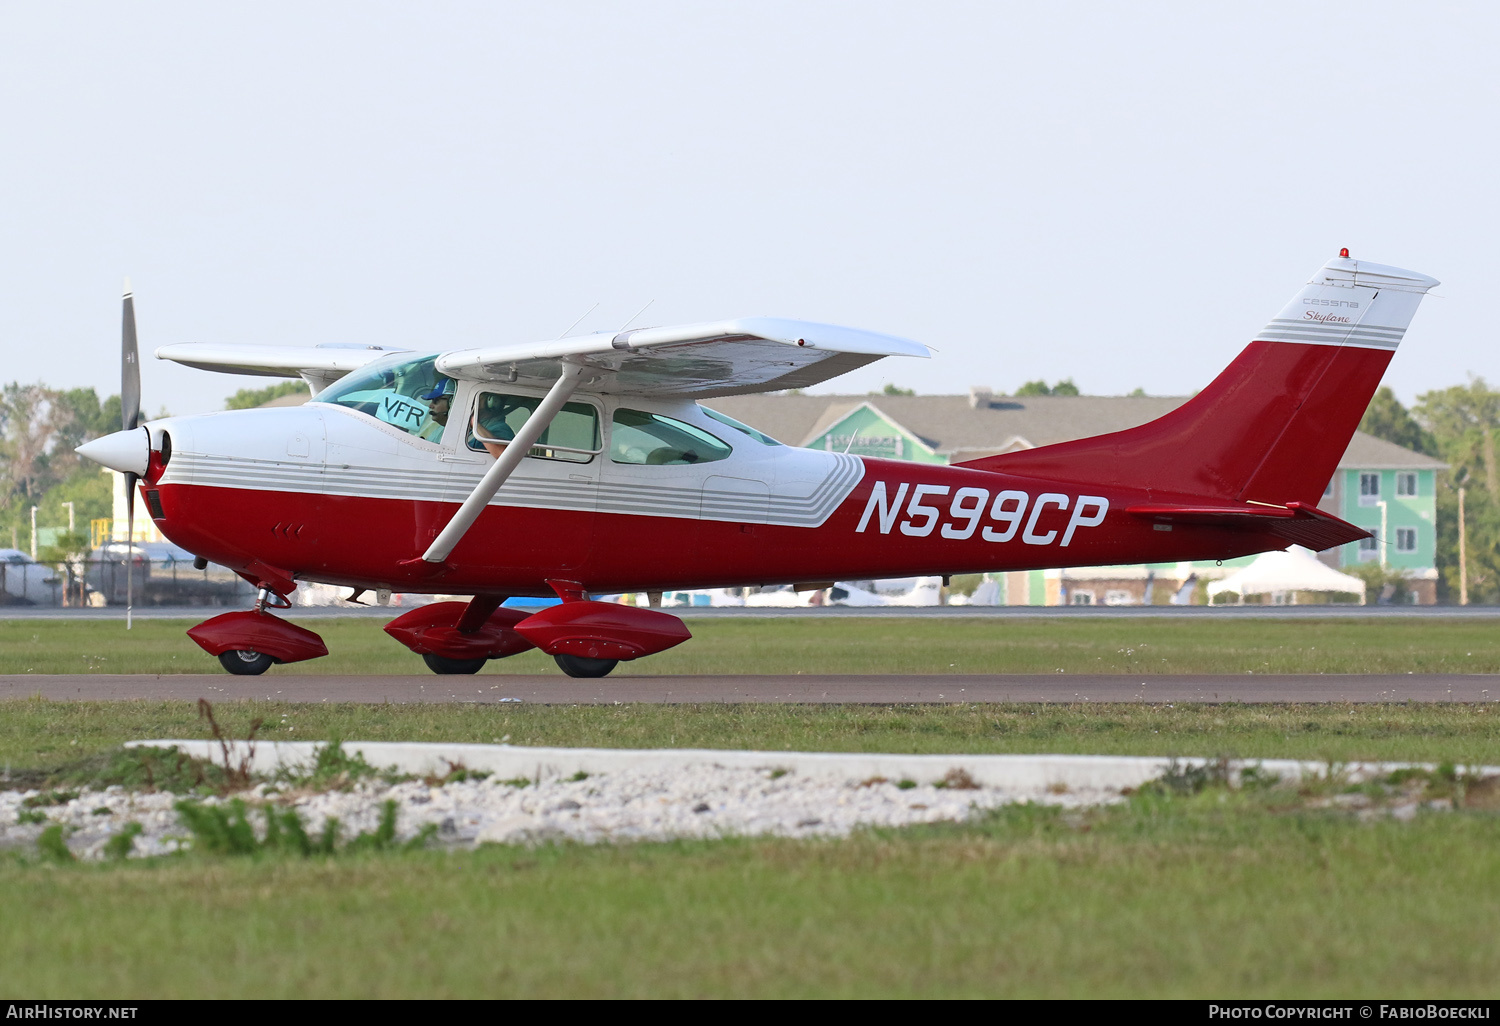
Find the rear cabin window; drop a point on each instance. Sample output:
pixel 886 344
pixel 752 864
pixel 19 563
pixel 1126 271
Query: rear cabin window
pixel 396 391
pixel 652 440
pixel 573 435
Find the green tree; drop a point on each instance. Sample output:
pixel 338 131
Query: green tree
pixel 250 398
pixel 891 389
pixel 1040 387
pixel 1463 421
pixel 39 429
pixel 1386 418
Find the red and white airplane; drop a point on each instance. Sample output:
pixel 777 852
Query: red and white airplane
pixel 587 465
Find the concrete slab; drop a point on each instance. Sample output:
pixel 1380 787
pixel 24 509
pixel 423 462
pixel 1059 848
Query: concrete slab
pixel 1021 772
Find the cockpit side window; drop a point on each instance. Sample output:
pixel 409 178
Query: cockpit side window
pixel 573 435
pixel 646 438
pixel 406 393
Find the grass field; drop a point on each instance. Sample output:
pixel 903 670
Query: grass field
pixel 1132 645
pixel 1218 895
pixel 1221 894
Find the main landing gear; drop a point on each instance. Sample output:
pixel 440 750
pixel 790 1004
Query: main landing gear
pixel 442 664
pixel 583 666
pixel 587 639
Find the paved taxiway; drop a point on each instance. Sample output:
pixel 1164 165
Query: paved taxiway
pixel 1315 612
pixel 855 689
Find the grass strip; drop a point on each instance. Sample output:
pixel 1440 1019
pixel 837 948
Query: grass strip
pixel 1218 894
pixel 1133 645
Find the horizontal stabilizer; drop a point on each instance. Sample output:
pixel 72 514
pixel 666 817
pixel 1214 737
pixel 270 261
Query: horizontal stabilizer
pixel 1297 522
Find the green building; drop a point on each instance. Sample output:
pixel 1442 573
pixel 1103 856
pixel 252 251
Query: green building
pixel 1379 486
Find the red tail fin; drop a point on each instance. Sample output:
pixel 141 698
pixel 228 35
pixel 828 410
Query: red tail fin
pixel 1272 426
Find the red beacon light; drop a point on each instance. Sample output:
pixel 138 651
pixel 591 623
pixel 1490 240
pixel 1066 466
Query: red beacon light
pixel 1344 252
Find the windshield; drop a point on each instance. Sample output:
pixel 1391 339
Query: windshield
pixel 399 391
pixel 762 438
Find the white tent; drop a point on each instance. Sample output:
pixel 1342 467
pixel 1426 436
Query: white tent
pixel 1296 569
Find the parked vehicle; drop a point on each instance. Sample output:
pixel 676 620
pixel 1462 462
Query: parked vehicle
pixel 25 582
pixel 163 575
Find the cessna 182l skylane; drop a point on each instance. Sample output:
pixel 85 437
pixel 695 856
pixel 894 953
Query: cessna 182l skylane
pixel 587 465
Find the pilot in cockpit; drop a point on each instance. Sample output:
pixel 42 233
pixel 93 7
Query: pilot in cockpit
pixel 439 405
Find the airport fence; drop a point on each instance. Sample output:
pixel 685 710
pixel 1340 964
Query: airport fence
pixel 103 582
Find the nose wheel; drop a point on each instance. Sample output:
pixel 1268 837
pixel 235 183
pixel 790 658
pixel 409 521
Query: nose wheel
pixel 583 666
pixel 244 662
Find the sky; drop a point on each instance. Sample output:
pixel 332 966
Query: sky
pixel 1118 194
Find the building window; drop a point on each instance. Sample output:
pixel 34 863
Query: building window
pixel 1406 485
pixel 1118 597
pixel 1369 489
pixel 1369 548
pixel 1406 539
pixel 1081 598
pixel 1328 491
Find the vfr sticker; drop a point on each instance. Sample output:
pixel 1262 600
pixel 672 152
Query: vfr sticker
pixel 959 517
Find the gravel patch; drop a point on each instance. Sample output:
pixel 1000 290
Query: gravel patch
pixel 628 805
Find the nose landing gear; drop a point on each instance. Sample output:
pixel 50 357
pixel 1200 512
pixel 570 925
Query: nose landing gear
pixel 249 643
pixel 245 662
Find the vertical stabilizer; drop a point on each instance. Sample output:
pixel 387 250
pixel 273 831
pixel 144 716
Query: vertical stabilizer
pixel 1272 427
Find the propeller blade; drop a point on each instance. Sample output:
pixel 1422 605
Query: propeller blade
pixel 130 366
pixel 130 415
pixel 130 480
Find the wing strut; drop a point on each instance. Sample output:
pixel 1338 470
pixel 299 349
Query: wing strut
pixel 508 461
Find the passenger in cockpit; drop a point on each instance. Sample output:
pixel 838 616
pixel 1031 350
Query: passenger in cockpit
pixel 490 427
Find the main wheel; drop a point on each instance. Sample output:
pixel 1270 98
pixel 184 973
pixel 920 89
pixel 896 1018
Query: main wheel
pixel 244 662
pixel 442 664
pixel 583 666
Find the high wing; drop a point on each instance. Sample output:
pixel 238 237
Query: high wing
pixel 320 366
pixel 750 354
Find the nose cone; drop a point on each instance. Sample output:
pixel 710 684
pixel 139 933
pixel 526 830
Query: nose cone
pixel 129 452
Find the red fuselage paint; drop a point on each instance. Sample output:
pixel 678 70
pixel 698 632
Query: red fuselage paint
pixel 1270 429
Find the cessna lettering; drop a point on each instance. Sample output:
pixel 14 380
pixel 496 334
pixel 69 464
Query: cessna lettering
pixel 968 507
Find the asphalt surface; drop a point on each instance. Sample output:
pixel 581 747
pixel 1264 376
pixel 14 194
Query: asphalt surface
pixel 1317 612
pixel 851 689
